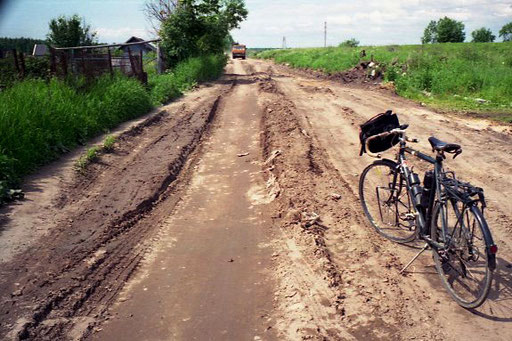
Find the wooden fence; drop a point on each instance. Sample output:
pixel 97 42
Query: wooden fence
pixel 93 61
pixel 18 60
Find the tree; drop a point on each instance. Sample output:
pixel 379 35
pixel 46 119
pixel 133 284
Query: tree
pixel 430 33
pixel 350 43
pixel 506 32
pixel 450 31
pixel 483 35
pixel 157 11
pixel 197 27
pixel 69 32
pixel 445 30
pixel 228 42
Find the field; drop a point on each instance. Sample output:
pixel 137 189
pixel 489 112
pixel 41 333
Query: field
pixel 42 119
pixel 475 78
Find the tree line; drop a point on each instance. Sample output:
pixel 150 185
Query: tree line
pixel 22 44
pixel 448 30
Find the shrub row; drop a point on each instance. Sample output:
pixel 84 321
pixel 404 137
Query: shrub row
pixel 40 120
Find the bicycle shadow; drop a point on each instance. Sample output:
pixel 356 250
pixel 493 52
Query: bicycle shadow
pixel 498 306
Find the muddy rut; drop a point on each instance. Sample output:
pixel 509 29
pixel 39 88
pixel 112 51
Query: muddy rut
pixel 233 214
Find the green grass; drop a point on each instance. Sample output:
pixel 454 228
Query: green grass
pixel 253 51
pixel 445 76
pixel 185 76
pixel 42 119
pixel 108 144
pixel 90 156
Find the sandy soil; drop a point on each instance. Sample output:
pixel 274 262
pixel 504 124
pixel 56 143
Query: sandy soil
pixel 233 214
pixel 378 302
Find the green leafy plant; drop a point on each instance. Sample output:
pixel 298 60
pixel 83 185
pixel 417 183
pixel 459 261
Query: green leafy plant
pixel 70 31
pixel 199 27
pixel 89 157
pixel 350 43
pixel 445 30
pixel 506 32
pixel 108 143
pixel 483 35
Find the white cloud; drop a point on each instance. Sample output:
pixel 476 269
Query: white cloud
pixel 121 34
pixel 371 21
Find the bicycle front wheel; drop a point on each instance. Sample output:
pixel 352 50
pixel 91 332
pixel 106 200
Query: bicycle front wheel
pixel 386 203
pixel 464 265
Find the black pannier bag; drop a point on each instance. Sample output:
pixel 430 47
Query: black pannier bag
pixel 376 125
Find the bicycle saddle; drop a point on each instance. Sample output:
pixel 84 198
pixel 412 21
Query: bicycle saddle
pixel 443 146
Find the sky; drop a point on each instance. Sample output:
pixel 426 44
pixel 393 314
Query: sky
pixel 372 22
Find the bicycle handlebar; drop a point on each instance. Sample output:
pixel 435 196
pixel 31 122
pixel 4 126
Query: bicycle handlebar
pixel 399 130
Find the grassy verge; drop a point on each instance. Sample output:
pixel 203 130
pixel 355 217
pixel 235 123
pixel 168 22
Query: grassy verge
pixel 470 77
pixel 40 120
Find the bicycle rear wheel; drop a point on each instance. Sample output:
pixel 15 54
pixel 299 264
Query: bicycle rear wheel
pixel 465 267
pixel 386 203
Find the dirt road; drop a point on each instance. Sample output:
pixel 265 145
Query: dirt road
pixel 232 214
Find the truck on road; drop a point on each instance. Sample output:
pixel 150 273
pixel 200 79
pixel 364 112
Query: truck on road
pixel 238 51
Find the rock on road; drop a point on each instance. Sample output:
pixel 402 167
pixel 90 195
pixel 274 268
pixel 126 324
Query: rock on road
pixel 233 214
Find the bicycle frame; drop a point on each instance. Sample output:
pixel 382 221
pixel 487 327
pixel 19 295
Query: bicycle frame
pixel 424 215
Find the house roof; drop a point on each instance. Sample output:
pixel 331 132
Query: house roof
pixel 134 39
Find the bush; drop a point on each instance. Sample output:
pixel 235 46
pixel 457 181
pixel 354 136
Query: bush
pixel 350 43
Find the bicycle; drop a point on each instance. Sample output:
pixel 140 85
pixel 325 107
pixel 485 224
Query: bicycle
pixel 446 213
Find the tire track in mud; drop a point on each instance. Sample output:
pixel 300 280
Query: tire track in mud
pixel 209 275
pixel 64 283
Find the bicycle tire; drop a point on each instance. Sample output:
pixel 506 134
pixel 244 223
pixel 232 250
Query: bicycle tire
pixel 453 279
pixel 400 228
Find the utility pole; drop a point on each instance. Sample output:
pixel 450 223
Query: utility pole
pixel 325 34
